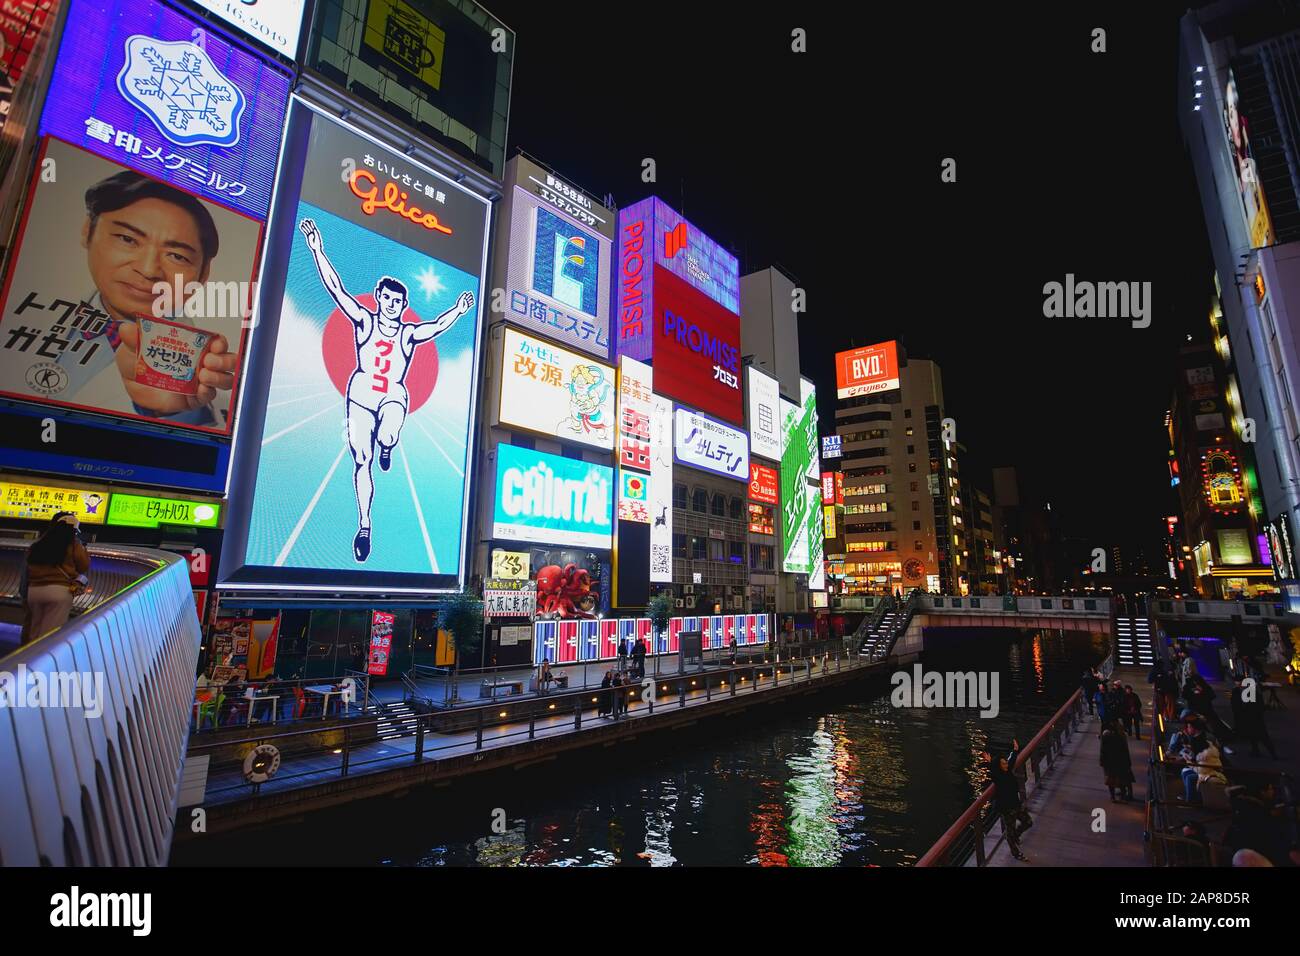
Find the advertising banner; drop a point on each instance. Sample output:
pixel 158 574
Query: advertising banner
pixel 828 487
pixel 381 643
pixel 868 370
pixel 510 565
pixel 511 602
pixel 764 414
pixel 661 490
pixel 1253 203
pixel 697 349
pixel 557 270
pixel 553 391
pixel 552 500
pixel 144 86
pixel 362 458
pixel 570 583
pixel 797 498
pixel 764 483
pixel 635 380
pixel 43 502
pixel 832 446
pixel 702 442
pixel 143 511
pixel 277 23
pixel 21 23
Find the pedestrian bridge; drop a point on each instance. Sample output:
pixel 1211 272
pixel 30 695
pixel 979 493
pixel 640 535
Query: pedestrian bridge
pixel 1091 614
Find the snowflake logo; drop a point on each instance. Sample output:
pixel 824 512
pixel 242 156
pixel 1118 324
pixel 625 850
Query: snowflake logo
pixel 178 87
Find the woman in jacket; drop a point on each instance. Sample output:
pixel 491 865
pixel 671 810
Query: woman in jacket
pixel 57 564
pixel 1208 767
pixel 1116 763
pixel 1006 799
pixel 1132 712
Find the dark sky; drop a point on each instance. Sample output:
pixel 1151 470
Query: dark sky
pixel 827 163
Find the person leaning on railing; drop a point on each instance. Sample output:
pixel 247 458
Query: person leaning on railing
pixel 57 565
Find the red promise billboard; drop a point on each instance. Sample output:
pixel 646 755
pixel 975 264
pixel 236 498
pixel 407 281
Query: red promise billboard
pixel 696 349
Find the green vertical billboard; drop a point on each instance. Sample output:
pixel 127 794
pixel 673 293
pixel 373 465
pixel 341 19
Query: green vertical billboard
pixel 799 437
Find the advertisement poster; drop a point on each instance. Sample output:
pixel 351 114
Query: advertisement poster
pixel 635 380
pixel 764 414
pixel 506 598
pixel 555 392
pixel 552 500
pixel 362 458
pixel 764 483
pixel 570 583
pixel 866 371
pixel 557 271
pixel 43 502
pixel 381 643
pixel 21 23
pixel 697 349
pixel 661 490
pixel 701 442
pixel 510 565
pixel 81 322
pixel 143 511
pixel 797 498
pixel 1254 206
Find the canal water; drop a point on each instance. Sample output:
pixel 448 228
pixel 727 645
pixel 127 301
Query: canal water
pixel 842 779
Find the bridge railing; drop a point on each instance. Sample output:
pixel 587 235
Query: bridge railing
pixel 1016 604
pixel 967 836
pixel 90 765
pixel 1219 610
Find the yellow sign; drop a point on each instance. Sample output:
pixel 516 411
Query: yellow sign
pixel 407 38
pixel 828 514
pixel 511 565
pixel 42 502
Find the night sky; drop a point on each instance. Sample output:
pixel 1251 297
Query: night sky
pixel 827 164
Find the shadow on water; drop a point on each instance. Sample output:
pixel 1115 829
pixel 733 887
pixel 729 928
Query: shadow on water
pixel 840 779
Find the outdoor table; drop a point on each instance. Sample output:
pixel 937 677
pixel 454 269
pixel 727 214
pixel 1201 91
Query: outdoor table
pixel 254 699
pixel 326 691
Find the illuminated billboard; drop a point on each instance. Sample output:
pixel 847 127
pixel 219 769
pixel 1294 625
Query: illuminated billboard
pixel 556 271
pixel 764 483
pixel 1254 206
pixel 832 446
pixel 701 442
pixel 696 349
pixel 764 418
pixel 661 490
pixel 146 511
pixel 42 502
pixel 635 409
pixel 868 370
pixel 553 391
pixel 277 23
pixel 139 84
pixel 552 500
pixel 134 269
pixel 801 516
pixel 360 459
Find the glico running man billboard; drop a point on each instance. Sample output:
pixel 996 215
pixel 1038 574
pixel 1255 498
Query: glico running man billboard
pixel 360 463
pixel 132 282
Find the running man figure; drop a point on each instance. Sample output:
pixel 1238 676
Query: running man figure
pixel 377 397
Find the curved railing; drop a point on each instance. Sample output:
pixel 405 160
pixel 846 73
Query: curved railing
pixel 967 835
pixel 94 721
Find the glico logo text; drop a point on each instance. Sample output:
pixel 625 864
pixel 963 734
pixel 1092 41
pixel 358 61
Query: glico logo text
pixel 727 358
pixel 394 200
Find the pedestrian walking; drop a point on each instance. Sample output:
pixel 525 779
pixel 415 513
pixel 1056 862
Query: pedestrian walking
pixel 1006 800
pixel 1132 710
pixel 56 569
pixel 1088 684
pixel 606 694
pixel 1116 763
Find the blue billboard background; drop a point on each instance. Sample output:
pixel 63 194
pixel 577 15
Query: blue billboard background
pixel 304 511
pixel 566 263
pixel 131 85
pixel 592 528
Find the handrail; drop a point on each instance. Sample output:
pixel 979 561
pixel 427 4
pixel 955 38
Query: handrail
pixel 940 853
pixel 94 778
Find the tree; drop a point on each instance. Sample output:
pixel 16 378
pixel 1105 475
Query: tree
pixel 461 616
pixel 660 611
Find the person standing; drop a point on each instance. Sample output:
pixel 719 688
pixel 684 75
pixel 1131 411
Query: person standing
pixel 57 565
pixel 606 694
pixel 1088 684
pixel 1006 800
pixel 638 659
pixel 1116 763
pixel 617 686
pixel 1132 710
pixel 1248 718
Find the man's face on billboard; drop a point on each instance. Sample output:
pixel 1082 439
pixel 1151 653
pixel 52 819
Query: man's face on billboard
pixel 391 304
pixel 130 249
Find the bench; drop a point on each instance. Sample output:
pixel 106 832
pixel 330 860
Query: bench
pixel 489 688
pixel 561 682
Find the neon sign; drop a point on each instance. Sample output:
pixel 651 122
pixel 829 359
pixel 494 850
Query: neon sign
pixel 394 201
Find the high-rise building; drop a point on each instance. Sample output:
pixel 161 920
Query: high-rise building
pixel 1238 89
pixel 902 497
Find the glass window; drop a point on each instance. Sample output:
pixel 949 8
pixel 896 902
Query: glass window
pixel 719 508
pixel 736 552
pixel 699 551
pixel 911 449
pixel 907 413
pixel 916 506
pixel 679 545
pixel 916 526
pixel 679 496
pixel 700 501
pixel 911 466
pixel 737 510
pixel 717 550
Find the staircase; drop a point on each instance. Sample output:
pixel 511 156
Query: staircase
pixel 396 719
pixel 881 632
pixel 1133 642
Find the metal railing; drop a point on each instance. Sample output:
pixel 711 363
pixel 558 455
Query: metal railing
pixel 95 781
pixel 499 724
pixel 966 837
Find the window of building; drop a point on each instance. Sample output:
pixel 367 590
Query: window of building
pixel 719 508
pixel 737 510
pixel 907 413
pixel 762 557
pixel 679 545
pixel 911 449
pixel 700 501
pixel 916 526
pixel 735 551
pixel 699 550
pixel 716 550
pixel 915 486
pixel 920 546
pixel 679 496
pixel 916 506
pixel 911 466
pixel 909 431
